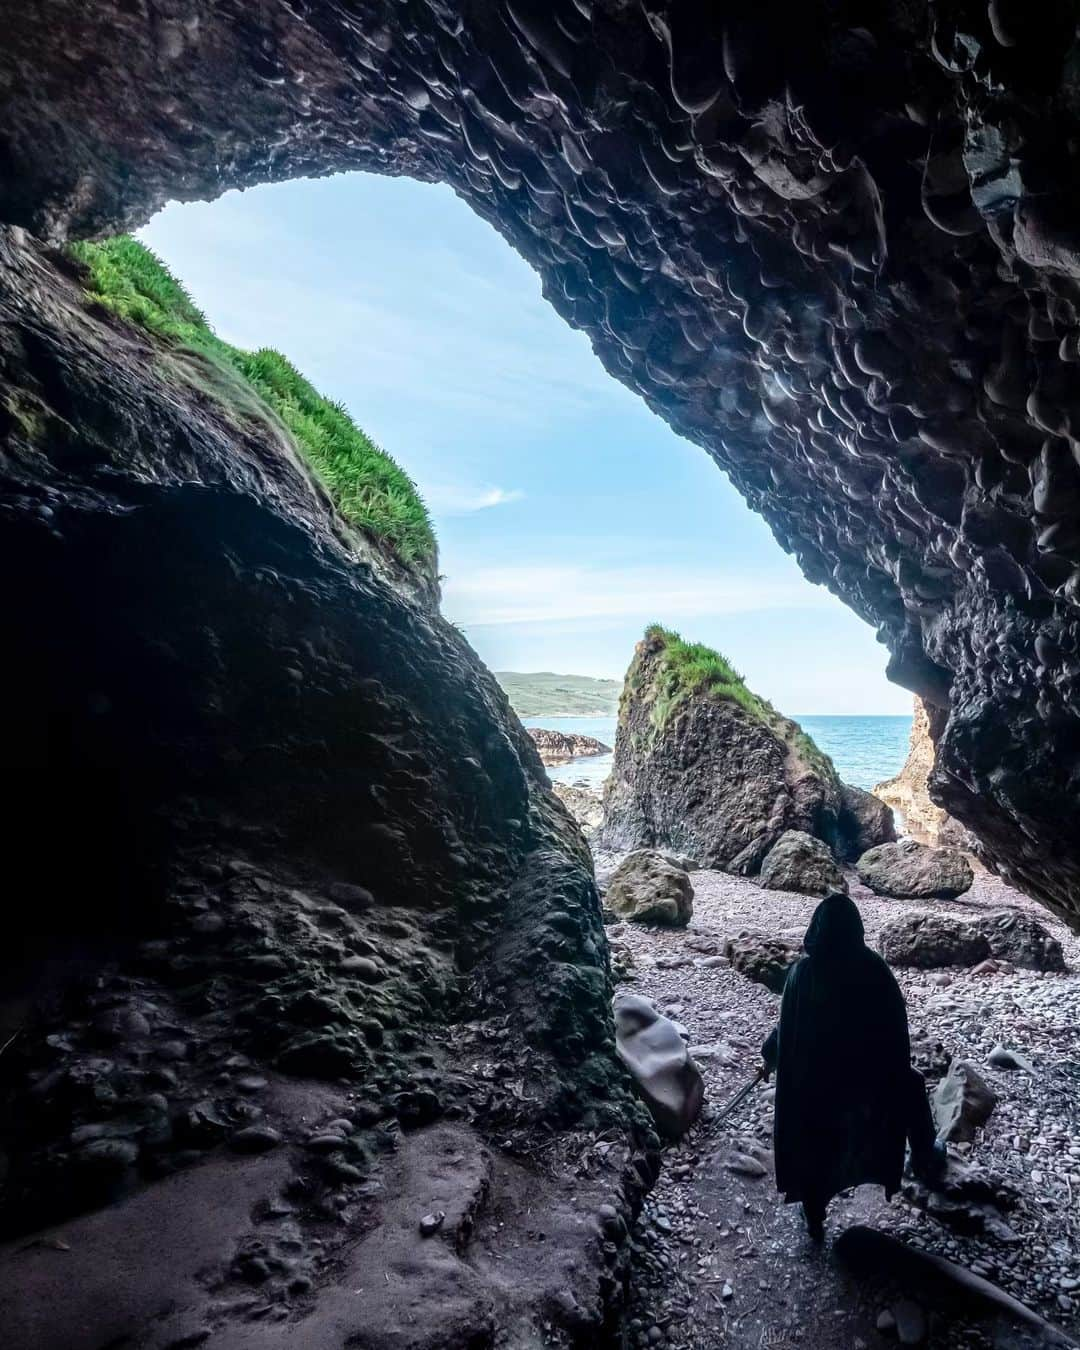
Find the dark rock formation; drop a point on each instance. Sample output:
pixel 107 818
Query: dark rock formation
pixel 646 887
pixel 707 777
pixel 557 747
pixel 930 941
pixel 762 957
pixel 799 862
pixel 837 248
pixel 912 871
pixel 1016 937
pixel 289 881
pixel 864 822
pixel 933 940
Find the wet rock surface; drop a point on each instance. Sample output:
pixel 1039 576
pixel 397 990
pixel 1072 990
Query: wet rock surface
pixel 718 1260
pixel 835 248
pixel 316 907
pixel 908 870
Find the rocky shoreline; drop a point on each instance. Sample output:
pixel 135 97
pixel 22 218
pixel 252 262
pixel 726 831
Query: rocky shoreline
pixel 559 747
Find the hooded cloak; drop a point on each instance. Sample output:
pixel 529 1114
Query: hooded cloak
pixel 843 1064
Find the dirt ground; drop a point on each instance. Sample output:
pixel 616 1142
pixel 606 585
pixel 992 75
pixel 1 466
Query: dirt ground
pixel 720 1261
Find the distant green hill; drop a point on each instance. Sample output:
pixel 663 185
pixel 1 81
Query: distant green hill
pixel 542 694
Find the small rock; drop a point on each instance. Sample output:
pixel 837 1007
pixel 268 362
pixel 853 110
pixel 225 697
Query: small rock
pixel 368 970
pixel 1001 1058
pixel 357 899
pixel 431 1223
pixel 325 1143
pixel 255 1139
pixel 744 1164
pixel 885 1320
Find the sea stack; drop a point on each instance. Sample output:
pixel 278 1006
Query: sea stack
pixel 707 769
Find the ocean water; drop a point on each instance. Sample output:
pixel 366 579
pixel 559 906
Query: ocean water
pixel 864 749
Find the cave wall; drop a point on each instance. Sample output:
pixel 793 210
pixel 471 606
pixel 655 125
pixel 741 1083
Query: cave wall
pixel 282 866
pixel 834 244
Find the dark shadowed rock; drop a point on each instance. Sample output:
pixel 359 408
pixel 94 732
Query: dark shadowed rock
pixel 1014 936
pixel 698 772
pixel 763 958
pixel 962 1102
pixel 912 871
pixel 865 821
pixel 929 941
pixel 799 862
pixel 646 887
pixel 316 831
pixel 655 1053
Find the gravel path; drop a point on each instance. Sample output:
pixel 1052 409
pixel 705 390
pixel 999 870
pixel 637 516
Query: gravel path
pixel 720 1261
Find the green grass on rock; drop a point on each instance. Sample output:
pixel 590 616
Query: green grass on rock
pixel 368 488
pixel 689 668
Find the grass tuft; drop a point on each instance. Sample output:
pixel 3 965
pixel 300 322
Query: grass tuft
pixel 367 487
pixel 691 668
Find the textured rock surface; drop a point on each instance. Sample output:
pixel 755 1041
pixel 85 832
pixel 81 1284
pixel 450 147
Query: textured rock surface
pixel 909 792
pixel 650 1046
pixel 313 895
pixel 962 1102
pixel 1022 940
pixel 834 247
pixel 930 941
pixel 646 887
pixel 556 747
pixel 708 778
pixel 799 862
pixel 762 957
pixel 933 940
pixel 865 821
pixel 912 871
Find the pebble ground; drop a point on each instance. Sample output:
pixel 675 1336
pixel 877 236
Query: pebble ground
pixel 720 1261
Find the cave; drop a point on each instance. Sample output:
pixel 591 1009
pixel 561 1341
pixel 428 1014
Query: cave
pixel 266 805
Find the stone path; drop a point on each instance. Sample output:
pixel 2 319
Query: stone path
pixel 719 1261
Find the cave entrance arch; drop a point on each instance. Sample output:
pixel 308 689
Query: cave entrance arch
pixel 806 221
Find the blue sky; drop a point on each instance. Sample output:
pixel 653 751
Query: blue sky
pixel 568 515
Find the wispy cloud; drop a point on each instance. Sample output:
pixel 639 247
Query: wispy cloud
pixel 558 594
pixel 459 499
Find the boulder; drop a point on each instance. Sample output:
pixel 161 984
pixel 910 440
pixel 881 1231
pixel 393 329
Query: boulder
pixel 705 768
pixel 646 887
pixel 799 862
pixel 558 747
pixel 963 1101
pixel 1015 936
pixel 652 1048
pixel 865 821
pixel 929 941
pixel 763 958
pixel 912 871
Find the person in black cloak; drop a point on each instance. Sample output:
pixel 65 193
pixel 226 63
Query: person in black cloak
pixel 846 1094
